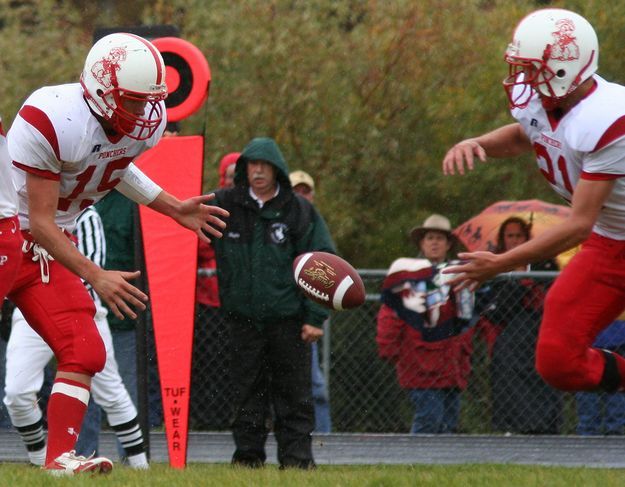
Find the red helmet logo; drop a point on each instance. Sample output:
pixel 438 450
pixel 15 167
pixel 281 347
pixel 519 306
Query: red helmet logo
pixel 105 70
pixel 564 47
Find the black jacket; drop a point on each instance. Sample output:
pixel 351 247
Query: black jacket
pixel 255 256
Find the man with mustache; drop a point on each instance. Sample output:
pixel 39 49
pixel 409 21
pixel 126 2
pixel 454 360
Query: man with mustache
pixel 271 322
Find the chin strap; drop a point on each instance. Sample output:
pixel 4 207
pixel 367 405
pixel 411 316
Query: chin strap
pixel 42 256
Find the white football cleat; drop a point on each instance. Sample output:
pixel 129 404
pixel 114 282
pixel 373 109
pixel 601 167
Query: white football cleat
pixel 71 464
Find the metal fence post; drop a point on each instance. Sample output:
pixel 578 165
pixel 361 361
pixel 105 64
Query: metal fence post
pixel 325 363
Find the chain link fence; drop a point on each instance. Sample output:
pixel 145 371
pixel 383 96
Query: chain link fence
pixel 504 393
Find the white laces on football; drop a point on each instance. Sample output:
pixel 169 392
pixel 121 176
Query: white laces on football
pixel 39 254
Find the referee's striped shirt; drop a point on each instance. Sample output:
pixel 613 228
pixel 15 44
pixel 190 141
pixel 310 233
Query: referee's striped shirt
pixel 91 242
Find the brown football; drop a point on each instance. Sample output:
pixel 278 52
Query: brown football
pixel 329 280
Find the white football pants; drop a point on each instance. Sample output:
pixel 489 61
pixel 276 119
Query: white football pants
pixel 26 357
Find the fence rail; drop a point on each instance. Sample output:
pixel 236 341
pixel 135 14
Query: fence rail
pixel 504 393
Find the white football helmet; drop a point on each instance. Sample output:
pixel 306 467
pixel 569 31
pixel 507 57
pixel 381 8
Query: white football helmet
pixel 552 52
pixel 124 82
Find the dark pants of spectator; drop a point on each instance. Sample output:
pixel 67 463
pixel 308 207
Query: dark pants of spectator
pixel 436 410
pixel 601 413
pixel 271 367
pixel 323 421
pixel 522 401
pixel 155 403
pixel 211 387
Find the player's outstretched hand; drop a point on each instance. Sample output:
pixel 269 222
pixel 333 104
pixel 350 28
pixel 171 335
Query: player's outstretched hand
pixel 115 290
pixel 310 333
pixel 196 215
pixel 462 153
pixel 476 267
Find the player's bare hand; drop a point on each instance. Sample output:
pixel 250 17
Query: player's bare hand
pixel 120 296
pixel 203 219
pixel 476 268
pixel 310 333
pixel 461 154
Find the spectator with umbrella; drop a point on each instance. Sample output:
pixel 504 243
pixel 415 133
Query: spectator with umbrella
pixel 512 310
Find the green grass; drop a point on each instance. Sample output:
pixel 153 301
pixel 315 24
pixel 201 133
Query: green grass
pixel 371 475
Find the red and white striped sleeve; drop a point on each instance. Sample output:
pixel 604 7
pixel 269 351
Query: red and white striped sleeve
pixel 33 143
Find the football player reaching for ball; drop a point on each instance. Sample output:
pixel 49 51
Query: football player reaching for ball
pixel 27 355
pixel 70 145
pixel 573 120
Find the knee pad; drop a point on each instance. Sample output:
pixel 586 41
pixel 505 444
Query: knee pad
pixel 14 399
pixel 553 364
pixel 91 357
pixel 570 369
pixel 87 355
pixel 96 361
pixel 23 408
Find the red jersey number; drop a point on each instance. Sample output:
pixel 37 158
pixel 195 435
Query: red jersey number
pixel 541 151
pixel 106 183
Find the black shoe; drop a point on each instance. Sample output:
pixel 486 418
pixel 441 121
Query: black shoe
pixel 247 462
pixel 298 463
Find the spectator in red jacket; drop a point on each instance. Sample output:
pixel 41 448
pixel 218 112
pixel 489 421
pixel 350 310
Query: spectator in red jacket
pixel 207 293
pixel 435 370
pixel 210 377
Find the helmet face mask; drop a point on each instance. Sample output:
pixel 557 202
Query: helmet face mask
pixel 525 78
pixel 124 83
pixel 127 121
pixel 553 51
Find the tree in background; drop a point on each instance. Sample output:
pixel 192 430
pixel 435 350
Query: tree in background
pixel 360 93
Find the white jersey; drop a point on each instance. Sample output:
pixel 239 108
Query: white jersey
pixel 8 194
pixel 588 142
pixel 56 136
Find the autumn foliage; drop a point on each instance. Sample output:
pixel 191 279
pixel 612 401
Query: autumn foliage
pixel 365 95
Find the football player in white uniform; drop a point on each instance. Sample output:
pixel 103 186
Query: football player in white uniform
pixel 27 355
pixel 10 236
pixel 70 145
pixel 574 121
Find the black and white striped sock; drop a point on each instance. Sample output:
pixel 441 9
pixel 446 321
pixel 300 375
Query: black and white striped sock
pixel 34 439
pixel 131 439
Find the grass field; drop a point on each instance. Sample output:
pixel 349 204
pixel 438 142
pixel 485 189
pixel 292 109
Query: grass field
pixel 371 475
